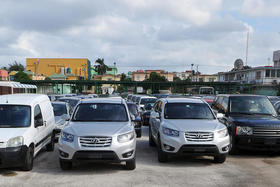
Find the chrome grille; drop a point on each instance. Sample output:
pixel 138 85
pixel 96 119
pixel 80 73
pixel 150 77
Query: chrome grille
pixel 95 141
pixel 266 131
pixel 199 136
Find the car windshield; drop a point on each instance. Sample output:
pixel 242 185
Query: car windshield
pixel 59 109
pixel 14 116
pixel 148 106
pixel 72 102
pixel 251 105
pixel 100 112
pixel 187 111
pixel 147 100
pixel 133 109
pixel 137 99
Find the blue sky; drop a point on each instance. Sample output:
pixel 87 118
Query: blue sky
pixel 142 34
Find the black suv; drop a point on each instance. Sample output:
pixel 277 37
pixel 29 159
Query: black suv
pixel 252 121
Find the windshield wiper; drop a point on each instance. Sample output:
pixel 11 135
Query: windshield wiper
pixel 266 114
pixel 245 113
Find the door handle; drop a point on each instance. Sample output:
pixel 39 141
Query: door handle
pixel 45 123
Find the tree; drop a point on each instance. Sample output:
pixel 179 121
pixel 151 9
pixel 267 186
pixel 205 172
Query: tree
pixel 15 67
pixel 154 77
pixel 176 79
pixel 125 78
pixel 21 76
pixel 101 67
pixel 48 79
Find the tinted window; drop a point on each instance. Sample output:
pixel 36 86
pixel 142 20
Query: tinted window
pixel 100 112
pixel 59 109
pixel 133 109
pixel 147 100
pixel 14 116
pixel 251 105
pixel 72 102
pixel 224 104
pixel 137 99
pixel 187 111
pixel 37 114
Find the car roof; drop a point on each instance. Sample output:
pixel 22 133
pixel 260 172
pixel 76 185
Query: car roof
pixel 73 98
pixel 151 97
pixel 22 99
pixel 182 100
pixel 239 95
pixel 59 102
pixel 104 100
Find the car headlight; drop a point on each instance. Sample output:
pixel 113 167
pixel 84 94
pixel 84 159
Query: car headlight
pixel 67 137
pixel 244 130
pixel 170 132
pixel 222 133
pixel 15 142
pixel 125 137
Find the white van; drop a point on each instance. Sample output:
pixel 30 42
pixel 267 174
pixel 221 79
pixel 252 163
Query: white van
pixel 26 125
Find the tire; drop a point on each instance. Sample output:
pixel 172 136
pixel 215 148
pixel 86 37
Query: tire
pixel 220 158
pixel 151 141
pixel 28 161
pixel 139 133
pixel 65 165
pixel 130 165
pixel 50 146
pixel 233 149
pixel 162 156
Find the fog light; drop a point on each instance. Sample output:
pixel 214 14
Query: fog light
pixel 168 147
pixel 128 154
pixel 226 148
pixel 63 154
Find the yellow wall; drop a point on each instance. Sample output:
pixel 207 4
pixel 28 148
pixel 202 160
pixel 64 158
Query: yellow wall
pixel 49 66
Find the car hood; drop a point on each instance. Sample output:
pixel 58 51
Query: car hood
pixel 98 128
pixel 8 133
pixel 255 120
pixel 194 125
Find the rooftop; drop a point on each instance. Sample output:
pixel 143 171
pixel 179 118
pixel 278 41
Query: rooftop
pixel 22 99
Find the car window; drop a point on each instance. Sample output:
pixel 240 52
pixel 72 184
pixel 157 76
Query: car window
pixel 147 100
pixel 100 112
pixel 59 109
pixel 133 109
pixel 37 113
pixel 14 116
pixel 187 111
pixel 224 104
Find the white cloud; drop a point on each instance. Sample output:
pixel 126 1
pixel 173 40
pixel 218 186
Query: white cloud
pixel 258 8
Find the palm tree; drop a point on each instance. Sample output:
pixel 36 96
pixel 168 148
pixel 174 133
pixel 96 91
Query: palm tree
pixel 101 67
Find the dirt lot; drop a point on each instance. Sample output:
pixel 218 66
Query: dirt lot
pixel 246 169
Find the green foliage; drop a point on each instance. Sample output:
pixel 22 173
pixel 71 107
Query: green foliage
pixel 21 76
pixel 101 67
pixel 48 79
pixel 15 67
pixel 176 79
pixel 125 78
pixel 154 77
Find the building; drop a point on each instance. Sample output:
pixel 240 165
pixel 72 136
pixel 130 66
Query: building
pixel 72 68
pixel 30 74
pixel 108 88
pixel 263 75
pixel 183 75
pixel 141 75
pixel 204 78
pixel 4 75
pixel 112 70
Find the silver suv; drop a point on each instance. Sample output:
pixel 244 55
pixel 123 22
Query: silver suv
pixel 100 130
pixel 180 126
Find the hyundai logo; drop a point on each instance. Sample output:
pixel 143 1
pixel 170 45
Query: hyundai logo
pixel 94 140
pixel 199 136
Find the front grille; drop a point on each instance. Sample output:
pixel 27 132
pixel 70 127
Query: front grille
pixel 266 131
pixel 199 136
pixel 96 155
pixel 95 141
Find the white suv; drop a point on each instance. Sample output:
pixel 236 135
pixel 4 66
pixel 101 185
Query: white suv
pixel 26 126
pixel 100 130
pixel 180 126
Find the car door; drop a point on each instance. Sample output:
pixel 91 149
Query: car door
pixel 158 120
pixel 153 118
pixel 39 137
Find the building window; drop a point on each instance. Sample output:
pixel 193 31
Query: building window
pixel 200 79
pixel 258 75
pixel 267 73
pixel 273 73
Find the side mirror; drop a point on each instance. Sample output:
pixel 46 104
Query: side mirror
pixel 38 122
pixel 65 117
pixel 132 117
pixel 157 115
pixel 220 115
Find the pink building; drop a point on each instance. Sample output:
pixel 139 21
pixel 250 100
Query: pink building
pixel 4 75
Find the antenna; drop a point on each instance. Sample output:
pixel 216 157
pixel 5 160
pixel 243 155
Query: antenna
pixel 247 46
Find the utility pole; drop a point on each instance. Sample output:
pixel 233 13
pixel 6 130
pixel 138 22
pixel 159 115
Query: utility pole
pixel 192 72
pixel 247 47
pixel 115 69
pixel 196 73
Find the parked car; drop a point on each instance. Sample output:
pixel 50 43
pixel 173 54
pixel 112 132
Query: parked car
pixel 180 126
pixel 252 121
pixel 277 107
pixel 273 99
pixel 27 126
pixel 128 98
pixel 132 108
pixel 100 130
pixel 147 112
pixel 145 100
pixel 73 101
pixel 62 112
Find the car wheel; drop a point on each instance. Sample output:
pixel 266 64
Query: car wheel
pixel 130 165
pixel 65 165
pixel 151 141
pixel 220 158
pixel 233 149
pixel 162 156
pixel 139 133
pixel 28 161
pixel 50 146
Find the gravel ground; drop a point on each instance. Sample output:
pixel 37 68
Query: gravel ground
pixel 246 169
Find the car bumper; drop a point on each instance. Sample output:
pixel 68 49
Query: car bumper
pixel 257 143
pixel 117 152
pixel 12 157
pixel 179 145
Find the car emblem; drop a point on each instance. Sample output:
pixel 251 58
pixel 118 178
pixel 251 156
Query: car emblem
pixel 94 140
pixel 199 136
